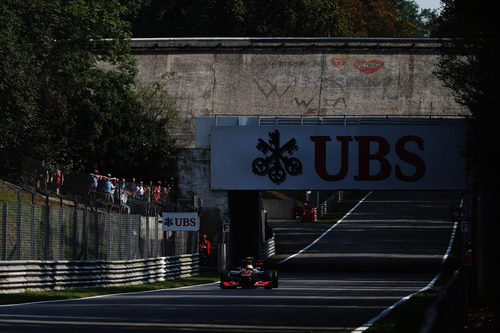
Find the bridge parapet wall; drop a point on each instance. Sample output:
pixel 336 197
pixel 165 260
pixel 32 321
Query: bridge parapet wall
pixel 308 77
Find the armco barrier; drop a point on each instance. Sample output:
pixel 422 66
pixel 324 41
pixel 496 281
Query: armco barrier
pixel 20 275
pixel 268 248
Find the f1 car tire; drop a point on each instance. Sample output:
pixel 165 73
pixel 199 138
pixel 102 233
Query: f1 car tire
pixel 274 275
pixel 268 277
pixel 225 276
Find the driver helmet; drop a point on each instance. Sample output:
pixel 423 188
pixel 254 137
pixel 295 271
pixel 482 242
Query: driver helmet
pixel 249 266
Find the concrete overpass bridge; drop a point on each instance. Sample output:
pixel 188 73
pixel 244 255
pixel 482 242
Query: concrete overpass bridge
pixel 377 93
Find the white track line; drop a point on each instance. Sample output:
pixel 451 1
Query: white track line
pixel 326 232
pixel 404 299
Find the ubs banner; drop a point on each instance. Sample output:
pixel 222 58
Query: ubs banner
pixel 180 221
pixel 427 156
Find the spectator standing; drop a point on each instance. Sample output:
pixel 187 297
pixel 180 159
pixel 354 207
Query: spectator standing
pixel 149 191
pixel 124 198
pixel 118 190
pixel 157 192
pixel 94 183
pixel 113 190
pixel 140 191
pixel 107 188
pixel 132 187
pixel 164 197
pixel 43 177
pixel 58 179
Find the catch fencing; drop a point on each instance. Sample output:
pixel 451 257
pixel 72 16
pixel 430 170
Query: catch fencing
pixel 31 232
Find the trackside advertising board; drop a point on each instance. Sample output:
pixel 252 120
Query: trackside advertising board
pixel 180 221
pixel 373 157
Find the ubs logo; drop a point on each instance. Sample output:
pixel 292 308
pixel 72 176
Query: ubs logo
pixel 277 160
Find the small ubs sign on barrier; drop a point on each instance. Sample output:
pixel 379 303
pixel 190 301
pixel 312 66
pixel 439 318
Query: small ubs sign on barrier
pixel 180 221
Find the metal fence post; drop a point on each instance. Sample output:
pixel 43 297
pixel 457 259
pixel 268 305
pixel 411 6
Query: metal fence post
pixel 108 237
pixel 139 253
pixel 47 228
pixel 32 231
pixel 84 235
pixel 75 226
pixel 97 235
pixel 147 241
pixel 18 228
pixel 157 252
pixel 129 237
pixel 4 231
pixel 120 230
pixel 61 234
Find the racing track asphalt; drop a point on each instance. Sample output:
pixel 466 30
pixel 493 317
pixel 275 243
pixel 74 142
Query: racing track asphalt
pixel 389 247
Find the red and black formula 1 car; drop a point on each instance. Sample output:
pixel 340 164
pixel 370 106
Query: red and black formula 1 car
pixel 251 274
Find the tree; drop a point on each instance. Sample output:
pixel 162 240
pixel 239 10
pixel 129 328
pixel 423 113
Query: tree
pixel 422 19
pixel 68 84
pixel 469 66
pixel 282 18
pixel 295 18
pixel 225 18
pixel 373 18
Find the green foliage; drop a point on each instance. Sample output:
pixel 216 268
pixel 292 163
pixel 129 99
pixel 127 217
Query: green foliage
pixel 469 67
pixel 68 86
pixel 424 20
pixel 374 18
pixel 283 18
pixel 223 18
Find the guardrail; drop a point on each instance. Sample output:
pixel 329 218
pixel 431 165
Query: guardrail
pixel 329 204
pixel 448 311
pixel 268 248
pixel 20 275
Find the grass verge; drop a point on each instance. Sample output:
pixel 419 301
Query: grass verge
pixel 9 194
pixel 206 276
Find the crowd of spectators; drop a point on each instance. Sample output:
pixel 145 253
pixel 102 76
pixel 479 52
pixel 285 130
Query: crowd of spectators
pixel 109 190
pixel 118 191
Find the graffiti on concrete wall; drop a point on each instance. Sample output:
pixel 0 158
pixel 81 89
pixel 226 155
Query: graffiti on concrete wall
pixel 311 85
pixel 368 67
pixel 338 62
pixel 329 91
pixel 330 106
pixel 268 88
pixel 365 66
